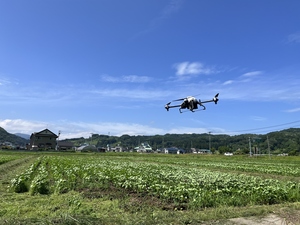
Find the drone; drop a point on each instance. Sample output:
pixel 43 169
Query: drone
pixel 191 103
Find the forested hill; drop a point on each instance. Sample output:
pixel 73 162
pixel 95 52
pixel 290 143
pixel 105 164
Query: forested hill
pixel 284 141
pixel 14 139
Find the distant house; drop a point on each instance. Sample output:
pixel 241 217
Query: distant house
pixel 65 145
pixel 144 147
pixel 201 151
pixel 44 139
pixel 7 145
pixel 204 151
pixel 117 149
pixel 174 150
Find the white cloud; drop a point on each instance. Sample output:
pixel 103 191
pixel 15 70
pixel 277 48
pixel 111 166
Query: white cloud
pixel 83 129
pixel 251 74
pixel 294 38
pixel 78 129
pixel 4 81
pixel 293 110
pixel 125 78
pixel 132 93
pixel 258 118
pixel 194 130
pixel 136 79
pixel 192 68
pixel 228 82
pixel 171 8
pixel 22 126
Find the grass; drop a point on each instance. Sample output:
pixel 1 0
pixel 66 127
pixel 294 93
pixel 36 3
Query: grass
pixel 113 205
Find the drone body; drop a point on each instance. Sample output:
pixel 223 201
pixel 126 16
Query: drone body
pixel 191 103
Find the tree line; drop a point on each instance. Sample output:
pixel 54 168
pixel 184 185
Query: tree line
pixel 284 141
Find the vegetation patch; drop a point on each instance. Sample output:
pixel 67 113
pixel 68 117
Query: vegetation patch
pixel 135 188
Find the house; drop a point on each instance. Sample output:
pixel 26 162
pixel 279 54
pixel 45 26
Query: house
pixel 204 151
pixel 117 149
pixel 201 151
pixel 144 147
pixel 65 145
pixel 174 150
pixel 7 145
pixel 44 139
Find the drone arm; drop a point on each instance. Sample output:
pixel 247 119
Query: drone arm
pixel 171 106
pixel 215 99
pixel 208 101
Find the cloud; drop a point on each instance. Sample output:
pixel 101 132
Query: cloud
pixel 71 129
pixel 131 93
pixel 252 74
pixel 22 126
pixel 294 38
pixel 125 78
pixel 193 68
pixel 292 110
pixel 195 130
pixel 4 81
pixel 258 118
pixel 171 8
pixel 78 129
pixel 244 78
pixel 228 82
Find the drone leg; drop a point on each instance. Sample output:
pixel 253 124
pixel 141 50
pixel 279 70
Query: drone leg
pixel 180 110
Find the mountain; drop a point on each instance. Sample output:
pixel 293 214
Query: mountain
pixel 25 136
pixel 14 139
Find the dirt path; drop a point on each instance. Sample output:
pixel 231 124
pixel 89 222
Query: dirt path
pixel 271 219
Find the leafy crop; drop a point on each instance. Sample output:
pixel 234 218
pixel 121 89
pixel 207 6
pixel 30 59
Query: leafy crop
pixel 8 158
pixel 193 185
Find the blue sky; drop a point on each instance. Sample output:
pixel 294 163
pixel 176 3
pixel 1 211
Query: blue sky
pixel 110 66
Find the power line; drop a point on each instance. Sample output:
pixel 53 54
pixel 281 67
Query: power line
pixel 260 128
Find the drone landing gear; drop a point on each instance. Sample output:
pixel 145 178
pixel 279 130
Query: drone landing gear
pixel 192 110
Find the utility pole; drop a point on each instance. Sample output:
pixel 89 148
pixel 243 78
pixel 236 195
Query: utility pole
pixel 250 146
pixel 209 142
pixel 91 138
pixel 268 146
pixel 57 143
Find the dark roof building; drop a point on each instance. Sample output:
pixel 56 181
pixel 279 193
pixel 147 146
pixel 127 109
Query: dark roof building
pixel 44 139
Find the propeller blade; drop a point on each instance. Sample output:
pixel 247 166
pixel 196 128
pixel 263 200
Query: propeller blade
pixel 216 98
pixel 181 99
pixel 167 106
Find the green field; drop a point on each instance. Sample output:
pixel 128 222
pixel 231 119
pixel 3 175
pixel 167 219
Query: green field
pixel 132 188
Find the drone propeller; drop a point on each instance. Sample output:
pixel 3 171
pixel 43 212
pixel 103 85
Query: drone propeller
pixel 216 98
pixel 167 106
pixel 181 99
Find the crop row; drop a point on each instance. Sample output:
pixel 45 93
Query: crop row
pixel 269 167
pixel 194 186
pixel 278 169
pixel 7 158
